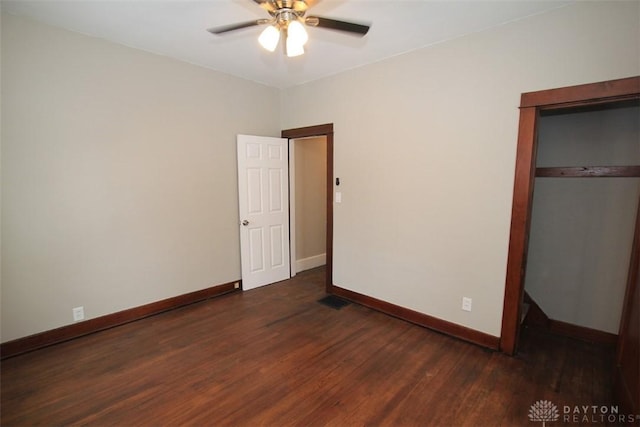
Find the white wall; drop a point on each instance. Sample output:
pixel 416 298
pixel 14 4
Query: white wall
pixel 582 228
pixel 425 148
pixel 311 201
pixel 118 175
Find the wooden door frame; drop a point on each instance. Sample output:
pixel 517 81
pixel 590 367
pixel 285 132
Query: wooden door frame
pixel 325 130
pixel 532 103
pixel 620 386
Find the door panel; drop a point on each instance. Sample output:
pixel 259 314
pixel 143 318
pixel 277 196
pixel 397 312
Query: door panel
pixel 254 188
pixel 263 195
pixel 277 246
pixel 275 191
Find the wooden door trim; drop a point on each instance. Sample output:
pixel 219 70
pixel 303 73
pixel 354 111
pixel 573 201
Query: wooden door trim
pixel 325 130
pixel 520 219
pixel 632 278
pixel 620 382
pixel 531 104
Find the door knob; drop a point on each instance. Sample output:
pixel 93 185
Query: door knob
pixel 245 222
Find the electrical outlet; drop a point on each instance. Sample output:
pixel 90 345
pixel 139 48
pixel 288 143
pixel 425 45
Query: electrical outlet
pixel 236 285
pixel 78 314
pixel 466 303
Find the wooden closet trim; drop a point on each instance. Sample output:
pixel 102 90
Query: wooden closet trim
pixel 589 172
pixel 587 94
pixel 531 104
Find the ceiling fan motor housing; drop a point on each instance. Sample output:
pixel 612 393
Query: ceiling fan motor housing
pixel 298 6
pixel 284 16
pixel 285 11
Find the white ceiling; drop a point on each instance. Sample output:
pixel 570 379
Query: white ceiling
pixel 177 29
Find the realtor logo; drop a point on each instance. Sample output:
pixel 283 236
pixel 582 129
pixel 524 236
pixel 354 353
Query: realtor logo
pixel 544 411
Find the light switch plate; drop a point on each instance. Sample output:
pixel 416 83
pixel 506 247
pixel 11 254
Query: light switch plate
pixel 338 197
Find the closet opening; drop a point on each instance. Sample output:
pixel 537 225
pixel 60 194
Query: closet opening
pixel 575 224
pixel 583 220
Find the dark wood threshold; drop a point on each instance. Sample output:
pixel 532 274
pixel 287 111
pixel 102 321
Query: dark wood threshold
pixel 536 318
pixel 589 172
pixel 570 330
pixel 75 330
pixel 421 319
pixel 582 333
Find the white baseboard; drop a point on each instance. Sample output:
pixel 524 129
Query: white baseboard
pixel 311 262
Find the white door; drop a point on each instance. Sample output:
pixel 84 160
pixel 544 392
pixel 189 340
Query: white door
pixel 263 186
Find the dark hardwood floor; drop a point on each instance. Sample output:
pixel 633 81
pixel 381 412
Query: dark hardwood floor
pixel 274 356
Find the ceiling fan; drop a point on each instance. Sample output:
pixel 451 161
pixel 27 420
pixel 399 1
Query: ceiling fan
pixel 288 18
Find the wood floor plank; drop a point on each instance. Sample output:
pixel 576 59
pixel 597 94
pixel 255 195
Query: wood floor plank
pixel 274 356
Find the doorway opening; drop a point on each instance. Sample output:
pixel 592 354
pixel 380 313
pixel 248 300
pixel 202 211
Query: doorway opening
pixel 307 202
pixel 309 135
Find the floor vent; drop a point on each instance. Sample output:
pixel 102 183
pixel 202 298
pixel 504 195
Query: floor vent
pixel 334 302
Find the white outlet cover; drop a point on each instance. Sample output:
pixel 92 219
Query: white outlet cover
pixel 466 304
pixel 78 314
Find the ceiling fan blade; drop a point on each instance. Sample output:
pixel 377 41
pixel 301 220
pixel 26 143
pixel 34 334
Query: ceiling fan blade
pixel 238 26
pixel 333 24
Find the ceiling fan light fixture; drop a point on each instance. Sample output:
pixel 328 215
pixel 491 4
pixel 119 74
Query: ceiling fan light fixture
pixel 296 31
pixel 294 48
pixel 269 38
pixel 288 17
